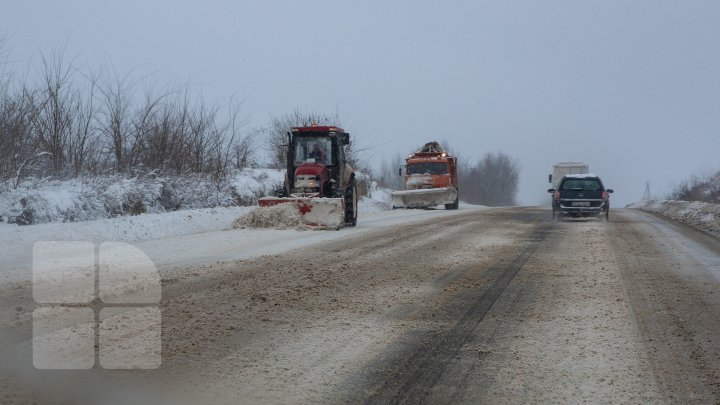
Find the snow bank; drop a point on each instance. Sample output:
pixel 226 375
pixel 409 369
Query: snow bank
pixel 281 216
pixel 18 240
pixel 255 183
pixel 378 199
pixel 126 229
pixel 319 213
pixel 84 199
pixel 699 215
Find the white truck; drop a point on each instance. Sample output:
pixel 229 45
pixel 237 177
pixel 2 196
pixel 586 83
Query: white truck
pixel 561 169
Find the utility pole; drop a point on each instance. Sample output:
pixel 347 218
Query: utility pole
pixel 646 194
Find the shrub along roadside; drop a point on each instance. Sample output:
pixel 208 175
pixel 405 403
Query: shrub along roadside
pixel 82 199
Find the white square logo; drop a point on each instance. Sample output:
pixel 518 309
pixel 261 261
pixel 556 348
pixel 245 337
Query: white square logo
pixel 95 309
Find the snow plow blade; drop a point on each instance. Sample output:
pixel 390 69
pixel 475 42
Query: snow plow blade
pixel 423 198
pixel 323 212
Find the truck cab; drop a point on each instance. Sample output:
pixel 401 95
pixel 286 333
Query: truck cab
pixel 429 179
pixel 430 171
pixel 316 162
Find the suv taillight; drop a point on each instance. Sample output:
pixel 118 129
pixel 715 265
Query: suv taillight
pixel 605 195
pixel 557 195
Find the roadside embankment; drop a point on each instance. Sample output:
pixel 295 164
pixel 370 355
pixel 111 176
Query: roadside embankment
pixel 700 215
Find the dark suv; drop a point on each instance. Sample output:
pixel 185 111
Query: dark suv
pixel 580 195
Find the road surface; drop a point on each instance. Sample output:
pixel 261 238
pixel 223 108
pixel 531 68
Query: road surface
pixel 483 306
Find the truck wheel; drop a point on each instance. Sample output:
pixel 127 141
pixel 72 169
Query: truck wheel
pixel 454 205
pixel 351 204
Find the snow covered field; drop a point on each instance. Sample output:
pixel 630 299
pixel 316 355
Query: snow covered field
pixel 700 215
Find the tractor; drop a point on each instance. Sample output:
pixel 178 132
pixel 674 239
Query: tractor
pixel 319 180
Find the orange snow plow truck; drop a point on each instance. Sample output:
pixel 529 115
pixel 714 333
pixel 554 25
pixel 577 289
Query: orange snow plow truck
pixel 430 179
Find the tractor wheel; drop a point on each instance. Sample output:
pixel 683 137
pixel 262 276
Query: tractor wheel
pixel 351 199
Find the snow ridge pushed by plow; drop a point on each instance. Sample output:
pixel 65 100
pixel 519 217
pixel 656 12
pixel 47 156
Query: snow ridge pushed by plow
pixel 281 216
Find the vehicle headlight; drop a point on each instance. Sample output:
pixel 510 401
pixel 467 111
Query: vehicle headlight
pixel 307 181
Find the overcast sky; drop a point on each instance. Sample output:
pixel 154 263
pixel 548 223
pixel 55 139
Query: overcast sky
pixel 631 87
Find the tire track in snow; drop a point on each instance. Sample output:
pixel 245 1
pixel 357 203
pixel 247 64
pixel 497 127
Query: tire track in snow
pixel 408 373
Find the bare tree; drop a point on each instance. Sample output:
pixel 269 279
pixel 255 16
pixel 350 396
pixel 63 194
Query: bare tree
pixel 162 131
pixel 146 126
pixel 20 155
pixel 4 55
pixel 493 181
pixel 115 116
pixel 83 142
pixel 223 141
pixel 206 139
pixel 244 148
pixel 389 176
pixel 17 118
pixel 54 118
pixel 699 187
pixel 61 126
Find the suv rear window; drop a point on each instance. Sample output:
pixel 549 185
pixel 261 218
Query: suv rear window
pixel 581 184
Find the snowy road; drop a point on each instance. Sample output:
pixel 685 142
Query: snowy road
pixel 490 305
